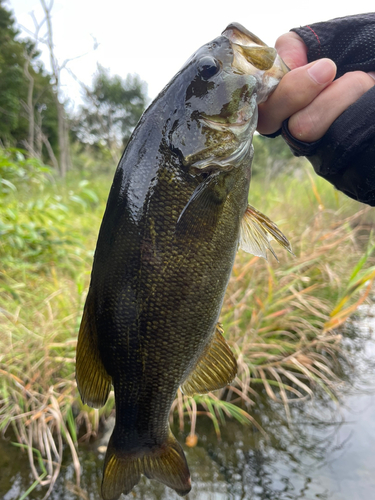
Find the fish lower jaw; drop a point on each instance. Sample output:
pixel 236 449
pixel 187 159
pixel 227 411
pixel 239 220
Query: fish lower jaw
pixel 215 164
pixel 238 128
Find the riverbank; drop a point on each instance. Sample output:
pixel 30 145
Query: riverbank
pixel 326 453
pixel 282 319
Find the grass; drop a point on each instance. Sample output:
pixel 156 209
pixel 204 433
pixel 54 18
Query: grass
pixel 283 320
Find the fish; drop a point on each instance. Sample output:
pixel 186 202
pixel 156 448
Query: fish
pixel 176 214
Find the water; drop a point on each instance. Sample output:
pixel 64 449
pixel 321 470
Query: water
pixel 327 453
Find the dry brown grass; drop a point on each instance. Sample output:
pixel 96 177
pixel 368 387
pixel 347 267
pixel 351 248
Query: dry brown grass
pixel 283 321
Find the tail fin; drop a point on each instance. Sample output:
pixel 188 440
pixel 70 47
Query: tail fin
pixel 166 463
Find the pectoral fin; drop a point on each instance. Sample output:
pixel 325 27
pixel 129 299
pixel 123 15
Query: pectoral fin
pixel 93 381
pixel 215 369
pixel 257 231
pixel 204 207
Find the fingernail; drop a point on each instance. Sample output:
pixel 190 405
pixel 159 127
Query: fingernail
pixel 323 71
pixel 372 74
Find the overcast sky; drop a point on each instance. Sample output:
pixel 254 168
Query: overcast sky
pixel 155 38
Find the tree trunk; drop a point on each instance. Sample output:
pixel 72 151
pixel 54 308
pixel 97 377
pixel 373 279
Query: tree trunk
pixel 61 118
pixel 62 136
pixel 29 107
pixel 38 138
pixel 50 151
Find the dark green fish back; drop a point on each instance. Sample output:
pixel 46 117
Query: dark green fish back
pixel 164 256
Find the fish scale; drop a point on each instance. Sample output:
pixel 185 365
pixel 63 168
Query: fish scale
pixel 166 247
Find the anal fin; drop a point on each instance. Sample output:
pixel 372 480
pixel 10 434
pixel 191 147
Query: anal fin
pixel 215 369
pixel 165 463
pixel 257 231
pixel 93 381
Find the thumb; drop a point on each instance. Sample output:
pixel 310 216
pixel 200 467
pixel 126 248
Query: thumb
pixel 296 90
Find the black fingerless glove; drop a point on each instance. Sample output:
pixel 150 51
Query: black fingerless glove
pixel 349 41
pixel 345 155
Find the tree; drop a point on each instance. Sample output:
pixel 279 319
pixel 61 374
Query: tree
pixel 112 108
pixel 12 81
pixel 61 116
pixel 39 107
pixel 27 114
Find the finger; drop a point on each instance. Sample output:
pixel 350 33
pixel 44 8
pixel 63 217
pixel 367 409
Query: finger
pixel 297 89
pixel 292 50
pixel 312 122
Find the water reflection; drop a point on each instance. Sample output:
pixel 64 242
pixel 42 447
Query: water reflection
pixel 327 452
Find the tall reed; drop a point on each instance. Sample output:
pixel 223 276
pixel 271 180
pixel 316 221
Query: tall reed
pixel 283 320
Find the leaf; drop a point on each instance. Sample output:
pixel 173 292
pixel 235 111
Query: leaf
pixel 8 184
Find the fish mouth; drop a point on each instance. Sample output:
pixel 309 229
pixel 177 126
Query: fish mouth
pixel 238 127
pixel 251 55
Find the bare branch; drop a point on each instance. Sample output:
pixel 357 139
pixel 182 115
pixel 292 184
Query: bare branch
pixel 51 154
pixel 54 63
pixel 96 43
pixel 35 133
pixel 29 106
pixel 28 147
pixel 37 26
pixel 61 118
pixel 63 66
pixel 29 32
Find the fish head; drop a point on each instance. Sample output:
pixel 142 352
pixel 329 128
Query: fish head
pixel 252 56
pixel 225 80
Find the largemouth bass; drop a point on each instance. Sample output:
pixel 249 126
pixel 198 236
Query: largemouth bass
pixel 176 214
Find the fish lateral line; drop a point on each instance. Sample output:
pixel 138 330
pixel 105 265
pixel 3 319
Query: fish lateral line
pixel 175 216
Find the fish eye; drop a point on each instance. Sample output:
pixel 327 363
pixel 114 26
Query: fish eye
pixel 208 67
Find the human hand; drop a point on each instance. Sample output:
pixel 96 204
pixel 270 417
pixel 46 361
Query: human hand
pixel 308 94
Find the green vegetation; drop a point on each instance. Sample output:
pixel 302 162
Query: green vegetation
pixel 282 319
pixel 111 110
pixel 28 116
pixel 33 113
